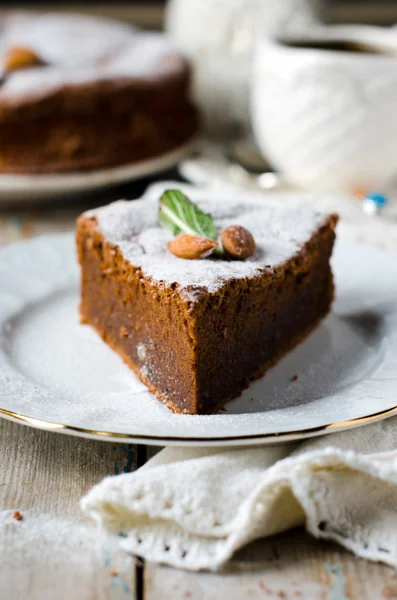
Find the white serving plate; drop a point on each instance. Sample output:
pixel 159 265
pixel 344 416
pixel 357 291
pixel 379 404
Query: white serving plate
pixel 31 188
pixel 57 374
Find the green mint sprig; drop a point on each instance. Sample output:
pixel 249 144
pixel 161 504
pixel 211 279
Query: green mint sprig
pixel 180 215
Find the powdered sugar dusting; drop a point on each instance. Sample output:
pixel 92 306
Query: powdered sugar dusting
pixel 279 233
pixel 80 49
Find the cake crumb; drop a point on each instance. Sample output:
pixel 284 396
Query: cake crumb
pixel 17 516
pixel 123 331
pixel 252 399
pixel 113 574
pixel 263 587
pixel 295 378
pixel 141 351
pixel 389 591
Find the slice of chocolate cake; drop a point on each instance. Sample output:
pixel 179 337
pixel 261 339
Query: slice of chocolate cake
pixel 197 331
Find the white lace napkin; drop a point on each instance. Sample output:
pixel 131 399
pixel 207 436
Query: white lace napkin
pixel 194 508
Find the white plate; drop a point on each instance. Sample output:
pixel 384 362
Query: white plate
pixel 57 374
pixel 30 188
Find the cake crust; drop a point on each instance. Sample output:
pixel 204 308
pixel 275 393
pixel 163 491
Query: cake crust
pixel 197 346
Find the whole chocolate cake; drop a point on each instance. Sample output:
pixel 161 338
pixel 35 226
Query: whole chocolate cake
pixel 81 93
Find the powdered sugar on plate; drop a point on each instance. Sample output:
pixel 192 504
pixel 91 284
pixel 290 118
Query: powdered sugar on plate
pixel 279 234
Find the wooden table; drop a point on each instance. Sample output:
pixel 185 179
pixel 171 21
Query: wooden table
pixel 53 553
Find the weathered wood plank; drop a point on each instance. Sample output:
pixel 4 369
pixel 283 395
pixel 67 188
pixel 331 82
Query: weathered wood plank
pixel 289 566
pixel 21 225
pixel 53 552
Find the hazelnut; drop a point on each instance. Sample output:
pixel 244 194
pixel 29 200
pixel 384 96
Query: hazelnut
pixel 238 242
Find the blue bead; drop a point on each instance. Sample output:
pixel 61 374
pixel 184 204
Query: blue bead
pixel 377 198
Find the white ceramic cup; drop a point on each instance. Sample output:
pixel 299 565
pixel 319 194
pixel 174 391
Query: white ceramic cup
pixel 328 118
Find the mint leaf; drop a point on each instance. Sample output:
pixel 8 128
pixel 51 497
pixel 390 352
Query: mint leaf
pixel 181 215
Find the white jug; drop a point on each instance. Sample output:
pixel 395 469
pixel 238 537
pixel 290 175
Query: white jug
pixel 218 36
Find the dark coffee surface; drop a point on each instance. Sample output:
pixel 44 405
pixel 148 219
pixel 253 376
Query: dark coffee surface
pixel 337 46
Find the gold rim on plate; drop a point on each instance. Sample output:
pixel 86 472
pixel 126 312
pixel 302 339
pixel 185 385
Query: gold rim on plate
pixel 159 440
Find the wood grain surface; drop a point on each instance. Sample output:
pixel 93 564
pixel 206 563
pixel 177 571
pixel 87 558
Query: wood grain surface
pixel 47 550
pixel 292 566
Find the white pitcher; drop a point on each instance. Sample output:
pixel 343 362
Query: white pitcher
pixel 218 36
